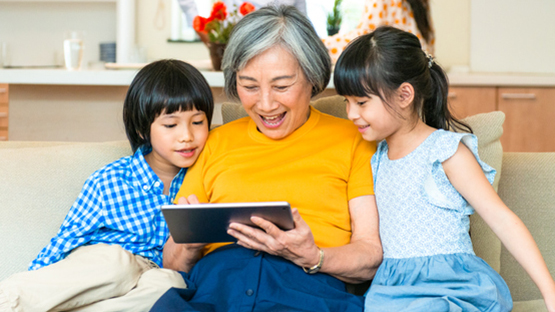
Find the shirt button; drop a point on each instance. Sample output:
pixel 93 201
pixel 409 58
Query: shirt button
pixel 145 187
pixel 157 184
pixel 249 292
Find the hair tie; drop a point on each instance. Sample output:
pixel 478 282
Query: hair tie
pixel 430 59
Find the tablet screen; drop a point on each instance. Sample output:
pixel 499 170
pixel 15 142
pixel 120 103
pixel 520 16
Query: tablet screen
pixel 208 223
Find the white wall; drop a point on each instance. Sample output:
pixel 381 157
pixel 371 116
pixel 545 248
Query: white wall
pixel 520 40
pixel 452 27
pixel 153 31
pixel 34 31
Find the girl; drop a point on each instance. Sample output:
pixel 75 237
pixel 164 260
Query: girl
pixel 427 181
pixel 107 255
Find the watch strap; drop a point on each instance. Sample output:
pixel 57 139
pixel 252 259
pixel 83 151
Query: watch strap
pixel 317 267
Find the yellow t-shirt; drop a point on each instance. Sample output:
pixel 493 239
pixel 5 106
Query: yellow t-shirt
pixel 317 169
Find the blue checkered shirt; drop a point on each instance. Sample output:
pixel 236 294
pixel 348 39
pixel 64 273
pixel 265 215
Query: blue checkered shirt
pixel 119 204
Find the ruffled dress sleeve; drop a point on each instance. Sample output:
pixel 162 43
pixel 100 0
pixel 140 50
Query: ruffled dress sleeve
pixel 437 186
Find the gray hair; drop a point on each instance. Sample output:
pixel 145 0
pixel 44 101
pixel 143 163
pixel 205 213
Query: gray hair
pixel 273 26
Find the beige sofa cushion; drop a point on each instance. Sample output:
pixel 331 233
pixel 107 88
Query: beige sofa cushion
pixel 527 187
pixel 488 128
pixel 55 172
pixel 332 105
pixel 529 306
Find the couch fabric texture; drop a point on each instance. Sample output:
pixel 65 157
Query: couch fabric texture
pixel 40 181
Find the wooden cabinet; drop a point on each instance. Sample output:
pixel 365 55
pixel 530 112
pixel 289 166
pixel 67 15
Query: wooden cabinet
pixel 4 112
pixel 529 114
pixel 529 119
pixel 468 101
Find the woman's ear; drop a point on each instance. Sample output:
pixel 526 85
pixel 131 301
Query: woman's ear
pixel 405 94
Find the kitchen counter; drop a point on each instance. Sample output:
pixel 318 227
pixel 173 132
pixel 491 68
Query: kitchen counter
pixel 86 105
pixel 123 77
pixel 500 80
pixel 120 77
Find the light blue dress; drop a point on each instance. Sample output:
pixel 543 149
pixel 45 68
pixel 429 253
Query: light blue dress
pixel 429 263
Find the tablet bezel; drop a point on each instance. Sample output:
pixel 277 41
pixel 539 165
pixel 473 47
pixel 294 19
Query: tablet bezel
pixel 208 223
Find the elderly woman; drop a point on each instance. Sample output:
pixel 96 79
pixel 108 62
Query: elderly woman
pixel 284 151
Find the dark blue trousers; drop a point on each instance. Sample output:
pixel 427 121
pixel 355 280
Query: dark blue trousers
pixel 233 278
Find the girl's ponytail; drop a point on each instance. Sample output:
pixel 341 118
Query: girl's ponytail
pixel 435 107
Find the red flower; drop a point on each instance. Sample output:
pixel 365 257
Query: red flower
pixel 219 25
pixel 199 24
pixel 246 8
pixel 219 11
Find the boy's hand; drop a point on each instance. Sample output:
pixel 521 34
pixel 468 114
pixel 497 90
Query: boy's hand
pixel 182 257
pixel 191 199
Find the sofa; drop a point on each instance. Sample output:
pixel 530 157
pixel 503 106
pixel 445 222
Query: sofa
pixel 40 180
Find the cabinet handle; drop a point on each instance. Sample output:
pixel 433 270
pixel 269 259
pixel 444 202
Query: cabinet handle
pixel 451 95
pixel 3 90
pixel 518 96
pixel 3 114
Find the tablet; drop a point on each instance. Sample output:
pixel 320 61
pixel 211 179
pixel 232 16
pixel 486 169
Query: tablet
pixel 208 223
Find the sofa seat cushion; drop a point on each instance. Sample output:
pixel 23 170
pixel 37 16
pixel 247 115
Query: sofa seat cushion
pixel 39 184
pixel 529 306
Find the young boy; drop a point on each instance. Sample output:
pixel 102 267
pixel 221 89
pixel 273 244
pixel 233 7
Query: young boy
pixel 108 252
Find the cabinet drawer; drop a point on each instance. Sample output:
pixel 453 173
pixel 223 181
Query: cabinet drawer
pixel 3 135
pixel 468 101
pixel 3 116
pixel 529 115
pixel 3 93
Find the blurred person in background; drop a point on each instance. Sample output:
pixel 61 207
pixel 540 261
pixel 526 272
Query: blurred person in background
pixel 412 16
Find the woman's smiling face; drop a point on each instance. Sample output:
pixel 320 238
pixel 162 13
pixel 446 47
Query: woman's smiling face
pixel 275 92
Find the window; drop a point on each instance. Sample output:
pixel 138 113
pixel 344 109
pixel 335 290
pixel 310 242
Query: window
pixel 184 11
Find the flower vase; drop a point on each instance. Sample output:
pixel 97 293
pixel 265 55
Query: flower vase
pixel 216 54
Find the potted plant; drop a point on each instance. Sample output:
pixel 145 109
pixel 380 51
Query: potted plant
pixel 334 18
pixel 215 30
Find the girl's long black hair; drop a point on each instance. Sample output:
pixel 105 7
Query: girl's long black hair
pixel 379 62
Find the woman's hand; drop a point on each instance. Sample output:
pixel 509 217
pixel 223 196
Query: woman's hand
pixel 355 262
pixel 182 257
pixel 296 245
